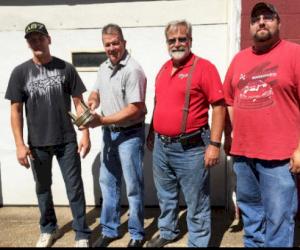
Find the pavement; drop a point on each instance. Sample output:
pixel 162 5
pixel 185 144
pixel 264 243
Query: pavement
pixel 19 227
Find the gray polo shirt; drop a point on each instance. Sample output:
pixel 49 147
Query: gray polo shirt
pixel 120 85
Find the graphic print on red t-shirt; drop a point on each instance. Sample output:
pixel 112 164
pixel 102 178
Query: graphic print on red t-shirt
pixel 256 87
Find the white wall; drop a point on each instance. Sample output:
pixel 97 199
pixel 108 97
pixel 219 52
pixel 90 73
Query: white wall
pixel 78 27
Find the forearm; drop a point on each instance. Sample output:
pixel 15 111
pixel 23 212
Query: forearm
pixel 17 124
pixel 94 100
pixel 131 112
pixel 228 122
pixel 218 121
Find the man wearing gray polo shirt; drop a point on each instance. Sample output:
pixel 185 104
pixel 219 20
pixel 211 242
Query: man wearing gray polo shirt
pixel 121 87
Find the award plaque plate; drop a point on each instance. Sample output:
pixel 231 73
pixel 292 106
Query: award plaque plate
pixel 82 119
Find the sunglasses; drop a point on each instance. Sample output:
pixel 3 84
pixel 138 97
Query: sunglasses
pixel 265 17
pixel 172 41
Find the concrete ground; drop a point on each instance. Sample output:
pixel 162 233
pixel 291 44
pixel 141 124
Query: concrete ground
pixel 19 227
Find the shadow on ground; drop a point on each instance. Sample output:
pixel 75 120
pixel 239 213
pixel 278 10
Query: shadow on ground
pixel 221 223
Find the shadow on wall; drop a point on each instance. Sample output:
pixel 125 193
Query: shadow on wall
pixel 150 192
pixel 222 194
pixel 96 187
pixel 1 197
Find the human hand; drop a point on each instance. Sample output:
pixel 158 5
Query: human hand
pixel 295 162
pixel 96 121
pixel 23 152
pixel 93 100
pixel 150 140
pixel 211 157
pixel 84 146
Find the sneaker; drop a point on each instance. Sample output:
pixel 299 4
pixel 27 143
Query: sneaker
pixel 47 239
pixel 82 243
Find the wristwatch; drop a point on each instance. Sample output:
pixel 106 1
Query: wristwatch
pixel 216 144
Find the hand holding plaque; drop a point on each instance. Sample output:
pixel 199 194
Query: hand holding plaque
pixel 85 117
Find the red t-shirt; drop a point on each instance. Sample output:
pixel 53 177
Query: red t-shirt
pixel 206 88
pixel 264 91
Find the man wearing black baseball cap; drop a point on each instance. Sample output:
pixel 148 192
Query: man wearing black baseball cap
pixel 262 6
pixel 35 27
pixel 262 89
pixel 45 85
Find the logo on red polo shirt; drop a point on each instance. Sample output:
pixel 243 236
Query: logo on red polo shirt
pixel 256 87
pixel 182 76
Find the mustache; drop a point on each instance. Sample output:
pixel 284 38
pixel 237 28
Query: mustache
pixel 262 29
pixel 178 50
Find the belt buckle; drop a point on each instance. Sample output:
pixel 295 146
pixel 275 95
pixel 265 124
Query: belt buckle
pixel 114 129
pixel 165 139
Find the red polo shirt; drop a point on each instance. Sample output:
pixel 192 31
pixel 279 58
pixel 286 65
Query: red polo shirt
pixel 206 88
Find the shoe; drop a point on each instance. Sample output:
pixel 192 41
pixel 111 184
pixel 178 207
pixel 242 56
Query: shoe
pixel 158 242
pixel 82 243
pixel 47 239
pixel 135 243
pixel 103 241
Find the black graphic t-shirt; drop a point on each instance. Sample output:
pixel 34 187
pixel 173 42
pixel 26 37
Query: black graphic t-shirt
pixel 46 91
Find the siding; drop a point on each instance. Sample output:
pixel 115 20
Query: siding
pixel 289 12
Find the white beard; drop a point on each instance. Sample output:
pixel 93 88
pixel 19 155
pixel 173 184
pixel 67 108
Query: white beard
pixel 177 55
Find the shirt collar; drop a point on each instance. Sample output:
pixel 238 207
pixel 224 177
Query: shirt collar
pixel 187 62
pixel 124 60
pixel 267 50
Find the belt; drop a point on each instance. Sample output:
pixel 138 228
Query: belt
pixel 120 129
pixel 190 138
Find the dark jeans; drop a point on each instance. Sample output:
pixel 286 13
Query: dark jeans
pixel 70 165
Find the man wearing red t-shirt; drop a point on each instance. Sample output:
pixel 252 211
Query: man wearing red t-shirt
pixel 262 89
pixel 184 147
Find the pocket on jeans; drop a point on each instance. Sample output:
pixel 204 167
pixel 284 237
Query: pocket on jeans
pixel 206 136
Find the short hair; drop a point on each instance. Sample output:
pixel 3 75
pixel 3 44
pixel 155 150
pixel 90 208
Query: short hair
pixel 112 28
pixel 176 23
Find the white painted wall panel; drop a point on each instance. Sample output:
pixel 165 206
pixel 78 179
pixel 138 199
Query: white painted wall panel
pixel 129 14
pixel 79 28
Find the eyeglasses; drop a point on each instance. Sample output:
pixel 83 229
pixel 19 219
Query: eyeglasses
pixel 172 41
pixel 265 17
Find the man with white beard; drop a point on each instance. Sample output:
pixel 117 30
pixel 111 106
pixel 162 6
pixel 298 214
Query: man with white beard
pixel 184 147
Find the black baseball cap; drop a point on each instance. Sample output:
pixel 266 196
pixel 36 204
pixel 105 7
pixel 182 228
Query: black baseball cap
pixel 264 6
pixel 35 27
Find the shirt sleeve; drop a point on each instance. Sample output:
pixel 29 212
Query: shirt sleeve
pixel 228 87
pixel 77 86
pixel 211 83
pixel 297 71
pixel 135 88
pixel 15 89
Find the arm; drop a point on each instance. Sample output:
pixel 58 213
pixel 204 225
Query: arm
pixel 84 145
pixel 17 128
pixel 228 129
pixel 131 112
pixel 212 152
pixel 94 100
pixel 295 161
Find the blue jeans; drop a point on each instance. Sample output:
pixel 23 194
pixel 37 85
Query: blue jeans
pixel 122 153
pixel 70 165
pixel 267 197
pixel 174 168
